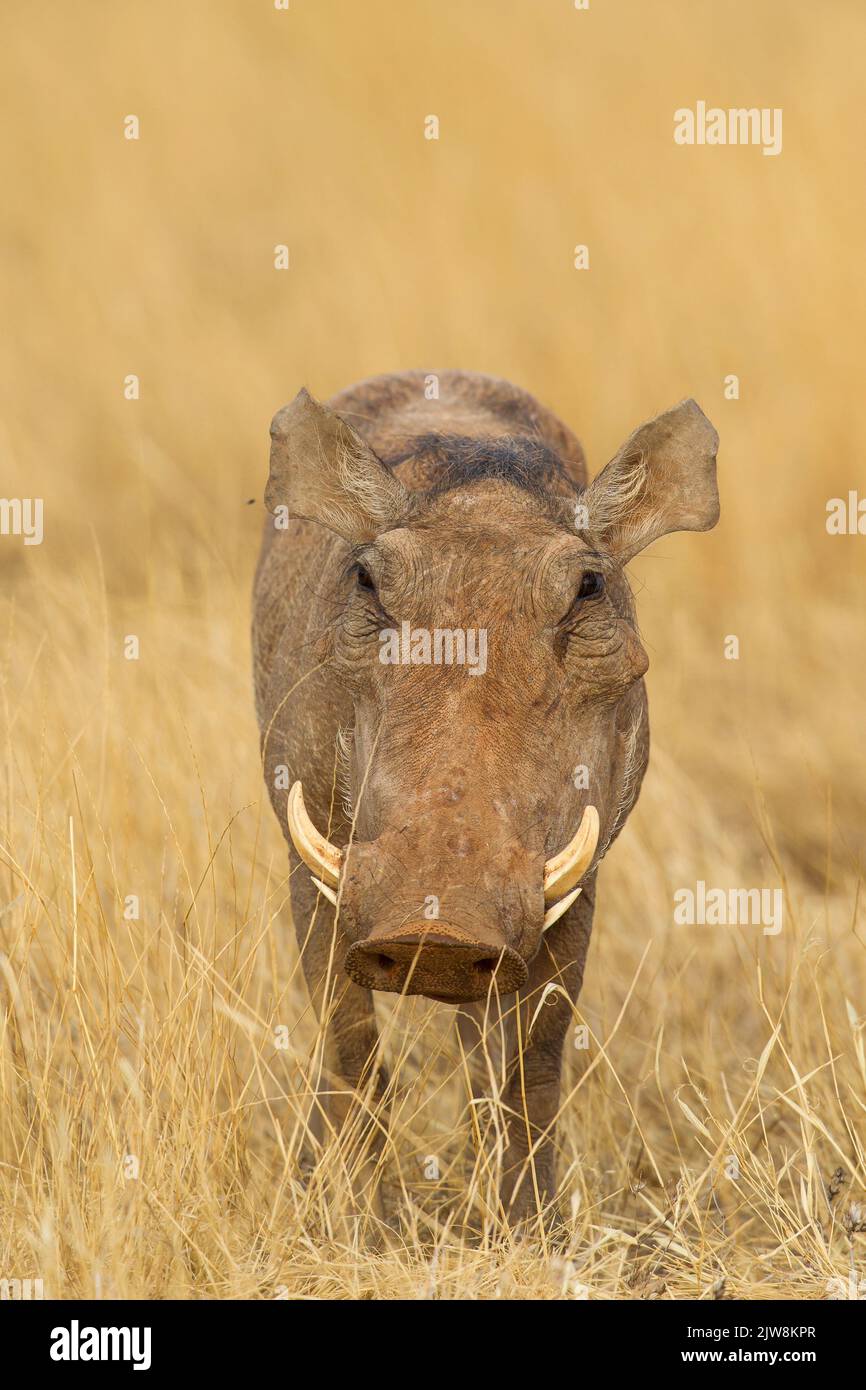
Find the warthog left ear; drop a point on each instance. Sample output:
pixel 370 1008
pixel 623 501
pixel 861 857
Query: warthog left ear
pixel 662 479
pixel 322 469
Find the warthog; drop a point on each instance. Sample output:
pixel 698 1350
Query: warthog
pixel 446 823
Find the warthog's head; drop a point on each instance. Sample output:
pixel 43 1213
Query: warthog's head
pixel 486 631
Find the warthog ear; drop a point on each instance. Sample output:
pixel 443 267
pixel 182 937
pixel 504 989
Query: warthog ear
pixel 322 469
pixel 662 479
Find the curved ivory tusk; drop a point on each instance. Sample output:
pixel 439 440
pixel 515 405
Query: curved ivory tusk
pixel 554 913
pixel 327 892
pixel 318 854
pixel 567 868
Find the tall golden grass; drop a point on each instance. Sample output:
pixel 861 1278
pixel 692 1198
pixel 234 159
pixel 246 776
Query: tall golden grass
pixel 155 1073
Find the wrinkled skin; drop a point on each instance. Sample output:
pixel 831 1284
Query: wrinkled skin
pixel 460 786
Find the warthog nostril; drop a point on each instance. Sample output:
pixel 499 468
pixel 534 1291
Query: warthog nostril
pixel 441 961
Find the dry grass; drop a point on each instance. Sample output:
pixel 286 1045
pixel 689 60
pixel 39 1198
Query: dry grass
pixel 156 1037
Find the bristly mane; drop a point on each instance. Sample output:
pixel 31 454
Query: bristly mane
pixel 454 460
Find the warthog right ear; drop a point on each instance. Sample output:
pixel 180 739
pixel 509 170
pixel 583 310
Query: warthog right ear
pixel 322 469
pixel 662 479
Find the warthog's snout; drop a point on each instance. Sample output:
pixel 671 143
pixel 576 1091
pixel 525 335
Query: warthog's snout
pixel 448 957
pixel 434 959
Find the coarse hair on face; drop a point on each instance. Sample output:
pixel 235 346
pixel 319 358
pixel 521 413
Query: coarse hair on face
pixel 452 461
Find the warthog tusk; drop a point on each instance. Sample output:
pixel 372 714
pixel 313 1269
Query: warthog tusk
pixel 566 869
pixel 318 854
pixel 554 913
pixel 327 892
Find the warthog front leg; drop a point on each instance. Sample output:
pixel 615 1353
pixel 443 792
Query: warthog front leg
pixel 532 1094
pixel 351 1081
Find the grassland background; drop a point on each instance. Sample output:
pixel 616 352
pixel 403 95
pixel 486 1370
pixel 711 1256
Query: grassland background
pixel 155 1038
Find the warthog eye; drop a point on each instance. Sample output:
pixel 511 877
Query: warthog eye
pixel 370 611
pixel 591 585
pixel 364 579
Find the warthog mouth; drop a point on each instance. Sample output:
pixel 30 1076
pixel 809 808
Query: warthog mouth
pixel 451 963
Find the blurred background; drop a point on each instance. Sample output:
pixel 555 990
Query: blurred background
pixel 155 257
